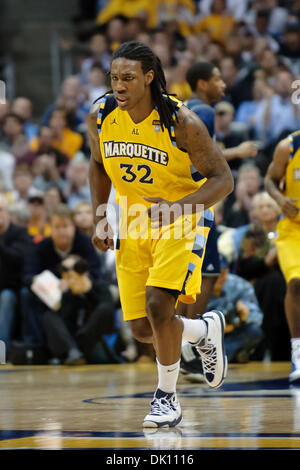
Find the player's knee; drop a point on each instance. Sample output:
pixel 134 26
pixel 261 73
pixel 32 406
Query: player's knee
pixel 294 287
pixel 157 306
pixel 141 330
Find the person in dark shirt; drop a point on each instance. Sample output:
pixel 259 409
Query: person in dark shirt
pixel 65 239
pixel 14 242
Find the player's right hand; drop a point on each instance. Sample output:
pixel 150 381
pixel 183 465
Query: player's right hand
pixel 103 237
pixel 288 207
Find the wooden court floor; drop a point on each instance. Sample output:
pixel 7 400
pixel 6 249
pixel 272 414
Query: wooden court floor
pixel 102 407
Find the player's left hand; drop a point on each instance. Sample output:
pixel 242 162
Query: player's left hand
pixel 160 212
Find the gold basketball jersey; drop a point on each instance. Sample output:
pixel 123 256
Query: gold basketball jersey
pixel 292 177
pixel 142 159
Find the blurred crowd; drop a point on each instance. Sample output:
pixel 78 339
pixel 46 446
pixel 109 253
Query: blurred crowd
pixel 45 207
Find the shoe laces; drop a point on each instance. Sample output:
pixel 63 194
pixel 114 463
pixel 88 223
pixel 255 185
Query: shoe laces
pixel 208 355
pixel 160 406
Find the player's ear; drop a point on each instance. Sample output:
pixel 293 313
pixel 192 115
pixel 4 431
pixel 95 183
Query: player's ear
pixel 149 76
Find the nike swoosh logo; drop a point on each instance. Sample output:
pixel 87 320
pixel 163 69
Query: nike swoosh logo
pixel 171 370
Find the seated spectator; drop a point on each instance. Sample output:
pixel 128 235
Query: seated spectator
pixel 269 66
pixel 268 122
pixel 238 204
pixel 83 217
pixel 277 17
pixel 53 196
pixel 180 86
pixel 99 55
pixel 13 138
pixel 44 144
pixel 117 9
pixel 64 139
pixel 72 98
pixel 23 108
pixel 97 83
pixel 237 8
pixel 14 244
pixel 85 315
pixel 219 24
pixel 238 83
pixel 258 263
pixel 236 298
pixel 78 186
pixel 38 227
pixel 46 172
pixel 260 28
pixel 47 255
pixel 290 42
pixel 227 138
pixel 23 186
pixel 247 109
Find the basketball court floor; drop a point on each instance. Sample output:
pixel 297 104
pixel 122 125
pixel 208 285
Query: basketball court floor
pixel 103 406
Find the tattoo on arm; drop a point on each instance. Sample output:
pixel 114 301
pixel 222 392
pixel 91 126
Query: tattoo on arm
pixel 192 135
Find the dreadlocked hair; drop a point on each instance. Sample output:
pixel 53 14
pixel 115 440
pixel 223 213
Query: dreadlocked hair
pixel 134 50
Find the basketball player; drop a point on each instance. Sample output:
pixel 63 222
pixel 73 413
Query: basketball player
pixel 284 170
pixel 146 144
pixel 208 88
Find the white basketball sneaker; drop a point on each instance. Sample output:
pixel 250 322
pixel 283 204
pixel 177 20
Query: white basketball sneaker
pixel 295 372
pixel 165 411
pixel 212 349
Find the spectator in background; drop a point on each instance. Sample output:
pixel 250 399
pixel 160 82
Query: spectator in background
pixel 290 42
pixel 23 186
pixel 46 172
pixel 38 226
pixel 277 16
pixel 23 107
pixel 72 98
pixel 13 139
pixel 247 109
pixel 43 143
pixel 261 28
pixel 83 217
pixel 99 55
pixel 14 244
pixel 269 66
pixel 86 314
pixel 64 139
pixel 269 124
pixel 219 23
pixel 236 298
pixel 53 196
pixel 258 263
pixel 233 143
pixel 237 207
pixel 237 8
pixel 115 30
pixel 238 85
pixel 78 186
pixel 47 255
pixel 97 83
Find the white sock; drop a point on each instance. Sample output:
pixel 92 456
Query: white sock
pixel 167 376
pixel 295 344
pixel 193 330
